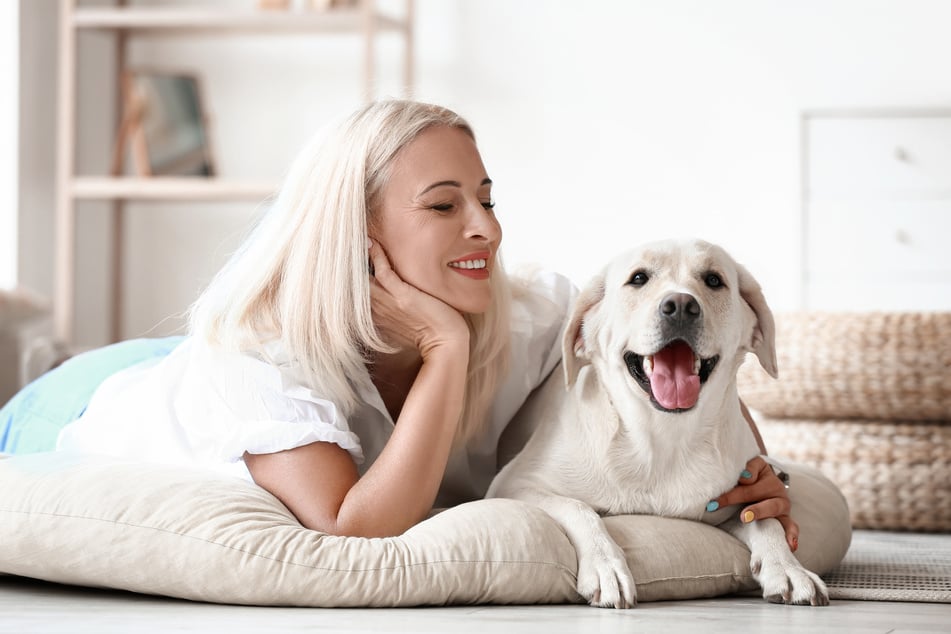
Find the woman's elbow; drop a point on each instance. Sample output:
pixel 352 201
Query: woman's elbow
pixel 368 527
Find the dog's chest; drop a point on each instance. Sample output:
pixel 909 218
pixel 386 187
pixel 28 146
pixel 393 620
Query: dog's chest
pixel 675 489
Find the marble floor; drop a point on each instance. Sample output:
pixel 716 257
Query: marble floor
pixel 34 606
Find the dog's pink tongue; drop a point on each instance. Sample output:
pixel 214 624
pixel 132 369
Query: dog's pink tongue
pixel 673 382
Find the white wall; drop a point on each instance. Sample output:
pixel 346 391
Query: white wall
pixel 603 124
pixel 9 130
pixel 615 122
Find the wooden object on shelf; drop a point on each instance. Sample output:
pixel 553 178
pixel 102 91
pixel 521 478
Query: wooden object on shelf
pixel 163 124
pixel 130 135
pixel 356 17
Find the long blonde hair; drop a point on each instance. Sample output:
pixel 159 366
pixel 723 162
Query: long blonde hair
pixel 301 276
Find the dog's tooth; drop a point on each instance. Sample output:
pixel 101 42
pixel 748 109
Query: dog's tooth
pixel 696 365
pixel 649 365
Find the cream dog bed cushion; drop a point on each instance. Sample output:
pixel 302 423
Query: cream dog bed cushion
pixel 153 529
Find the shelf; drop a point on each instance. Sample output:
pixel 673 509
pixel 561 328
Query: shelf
pixel 195 189
pixel 173 21
pixel 129 21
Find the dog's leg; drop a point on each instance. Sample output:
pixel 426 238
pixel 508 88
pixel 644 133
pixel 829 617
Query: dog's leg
pixel 780 575
pixel 604 579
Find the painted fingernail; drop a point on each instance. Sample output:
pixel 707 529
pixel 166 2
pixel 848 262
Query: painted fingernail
pixel 748 517
pixel 746 474
pixel 712 505
pixel 369 244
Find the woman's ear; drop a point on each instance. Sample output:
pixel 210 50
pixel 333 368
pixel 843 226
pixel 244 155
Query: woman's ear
pixel 574 354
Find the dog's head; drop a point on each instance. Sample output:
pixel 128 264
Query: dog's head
pixel 670 317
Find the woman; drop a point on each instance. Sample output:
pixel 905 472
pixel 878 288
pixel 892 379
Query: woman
pixel 361 354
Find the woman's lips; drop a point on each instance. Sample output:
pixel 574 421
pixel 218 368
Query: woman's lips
pixel 474 265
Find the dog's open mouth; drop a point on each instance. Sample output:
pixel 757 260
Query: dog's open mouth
pixel 671 376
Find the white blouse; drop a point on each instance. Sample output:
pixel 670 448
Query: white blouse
pixel 201 406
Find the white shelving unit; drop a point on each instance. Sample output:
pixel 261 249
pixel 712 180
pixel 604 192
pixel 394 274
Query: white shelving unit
pixel 363 20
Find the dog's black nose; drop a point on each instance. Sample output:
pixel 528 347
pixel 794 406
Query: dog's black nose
pixel 680 307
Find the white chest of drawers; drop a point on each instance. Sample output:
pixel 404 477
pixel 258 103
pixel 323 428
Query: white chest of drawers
pixel 877 210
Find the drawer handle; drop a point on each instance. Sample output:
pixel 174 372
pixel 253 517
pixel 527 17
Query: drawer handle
pixel 901 154
pixel 903 237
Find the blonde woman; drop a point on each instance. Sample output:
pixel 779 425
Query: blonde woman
pixel 360 356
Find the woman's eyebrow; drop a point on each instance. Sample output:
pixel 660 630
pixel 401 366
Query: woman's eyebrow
pixel 485 181
pixel 441 184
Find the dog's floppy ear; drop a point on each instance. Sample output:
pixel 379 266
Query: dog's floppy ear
pixel 763 342
pixel 573 353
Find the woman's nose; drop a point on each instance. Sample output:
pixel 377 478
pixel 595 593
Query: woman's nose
pixel 482 223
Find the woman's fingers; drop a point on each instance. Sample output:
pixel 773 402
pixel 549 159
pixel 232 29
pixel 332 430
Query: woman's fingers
pixel 771 507
pixel 792 531
pixel 756 467
pixel 777 508
pixel 761 486
pixel 380 267
pixel 754 490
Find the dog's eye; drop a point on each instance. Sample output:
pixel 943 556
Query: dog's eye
pixel 638 279
pixel 713 280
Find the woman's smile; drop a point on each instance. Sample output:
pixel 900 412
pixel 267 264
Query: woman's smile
pixel 474 265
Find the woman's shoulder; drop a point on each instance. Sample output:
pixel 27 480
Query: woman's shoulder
pixel 259 385
pixel 541 299
pixel 541 302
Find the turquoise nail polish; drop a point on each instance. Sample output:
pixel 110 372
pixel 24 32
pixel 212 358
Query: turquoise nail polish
pixel 746 474
pixel 712 505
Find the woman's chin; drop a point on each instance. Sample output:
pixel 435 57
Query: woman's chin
pixel 472 305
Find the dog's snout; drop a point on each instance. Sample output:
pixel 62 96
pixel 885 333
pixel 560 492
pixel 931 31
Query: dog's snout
pixel 680 307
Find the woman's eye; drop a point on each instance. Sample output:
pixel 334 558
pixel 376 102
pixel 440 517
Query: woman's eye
pixel 713 280
pixel 488 204
pixel 638 279
pixel 442 207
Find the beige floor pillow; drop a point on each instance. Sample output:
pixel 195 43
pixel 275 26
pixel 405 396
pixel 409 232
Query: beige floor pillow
pixel 102 522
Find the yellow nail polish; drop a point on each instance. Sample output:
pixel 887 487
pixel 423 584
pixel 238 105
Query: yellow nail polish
pixel 748 517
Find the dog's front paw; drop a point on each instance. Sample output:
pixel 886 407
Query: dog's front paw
pixel 788 582
pixel 605 580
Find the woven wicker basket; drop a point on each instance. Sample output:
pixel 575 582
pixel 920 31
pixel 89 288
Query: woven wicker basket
pixel 895 476
pixel 886 366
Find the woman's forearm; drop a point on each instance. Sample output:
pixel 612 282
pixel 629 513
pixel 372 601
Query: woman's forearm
pixel 399 488
pixel 319 482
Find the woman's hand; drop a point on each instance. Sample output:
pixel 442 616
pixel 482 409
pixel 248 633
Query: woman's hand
pixel 406 316
pixel 769 497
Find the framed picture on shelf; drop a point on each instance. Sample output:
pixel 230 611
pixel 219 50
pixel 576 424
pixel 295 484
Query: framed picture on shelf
pixel 163 125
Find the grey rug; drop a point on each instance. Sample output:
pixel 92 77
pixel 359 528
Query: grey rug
pixel 887 566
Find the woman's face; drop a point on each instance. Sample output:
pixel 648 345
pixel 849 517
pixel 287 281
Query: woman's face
pixel 434 218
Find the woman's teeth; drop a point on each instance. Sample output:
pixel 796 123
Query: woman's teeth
pixel 468 264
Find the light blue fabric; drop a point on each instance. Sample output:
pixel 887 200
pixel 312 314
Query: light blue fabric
pixel 31 421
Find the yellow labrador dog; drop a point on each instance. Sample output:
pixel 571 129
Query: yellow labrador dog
pixel 651 422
